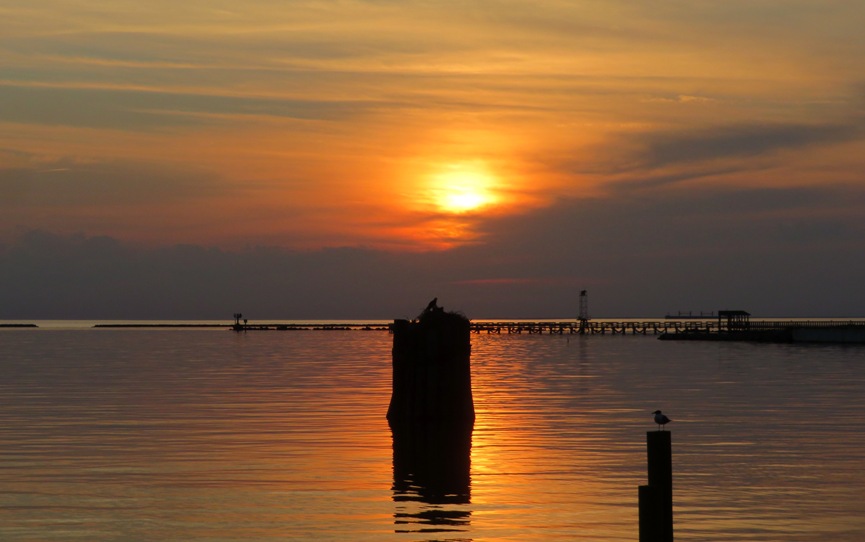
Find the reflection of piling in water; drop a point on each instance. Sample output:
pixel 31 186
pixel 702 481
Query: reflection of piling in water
pixel 432 462
pixel 656 499
pixel 432 476
pixel 431 368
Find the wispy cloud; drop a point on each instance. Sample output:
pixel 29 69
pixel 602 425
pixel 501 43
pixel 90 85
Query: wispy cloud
pixel 741 141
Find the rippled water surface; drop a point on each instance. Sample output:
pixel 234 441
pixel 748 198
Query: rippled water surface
pixel 194 435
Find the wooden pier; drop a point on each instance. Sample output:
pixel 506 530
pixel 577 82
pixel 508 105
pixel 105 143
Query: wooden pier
pixel 849 331
pixel 830 331
pixel 694 329
pixel 498 327
pixel 594 327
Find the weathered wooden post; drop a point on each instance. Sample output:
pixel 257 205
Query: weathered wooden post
pixel 431 415
pixel 650 514
pixel 431 368
pixel 656 499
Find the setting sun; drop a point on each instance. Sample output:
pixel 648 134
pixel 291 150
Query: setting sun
pixel 462 188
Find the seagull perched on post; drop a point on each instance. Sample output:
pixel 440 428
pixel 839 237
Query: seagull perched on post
pixel 661 419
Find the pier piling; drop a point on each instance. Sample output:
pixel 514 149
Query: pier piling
pixel 431 371
pixel 656 498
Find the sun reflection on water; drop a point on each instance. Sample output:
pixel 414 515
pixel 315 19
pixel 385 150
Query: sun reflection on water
pixel 213 435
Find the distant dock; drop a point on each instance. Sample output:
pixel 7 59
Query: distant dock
pixel 718 329
pixel 822 331
pixel 681 315
pixel 587 327
pixel 736 325
pixel 498 327
pixel 666 329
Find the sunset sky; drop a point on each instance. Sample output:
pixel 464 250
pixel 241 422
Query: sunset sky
pixel 354 159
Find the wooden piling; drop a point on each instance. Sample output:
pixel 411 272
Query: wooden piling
pixel 650 514
pixel 431 368
pixel 656 499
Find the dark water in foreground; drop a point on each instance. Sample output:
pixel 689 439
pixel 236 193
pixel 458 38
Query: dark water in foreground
pixel 194 435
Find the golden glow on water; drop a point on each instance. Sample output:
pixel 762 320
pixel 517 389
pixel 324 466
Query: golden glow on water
pixel 531 454
pixel 204 435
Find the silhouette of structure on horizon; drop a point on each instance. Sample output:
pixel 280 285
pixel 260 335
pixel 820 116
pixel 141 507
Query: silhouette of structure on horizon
pixel 735 320
pixel 584 312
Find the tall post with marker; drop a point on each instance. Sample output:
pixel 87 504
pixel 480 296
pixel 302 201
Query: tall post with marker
pixel 656 498
pixel 584 312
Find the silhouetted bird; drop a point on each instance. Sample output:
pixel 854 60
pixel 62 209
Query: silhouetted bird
pixel 661 419
pixel 431 308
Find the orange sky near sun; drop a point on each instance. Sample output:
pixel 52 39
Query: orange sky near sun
pixel 402 125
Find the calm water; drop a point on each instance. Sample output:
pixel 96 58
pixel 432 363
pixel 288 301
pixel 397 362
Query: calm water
pixel 194 435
